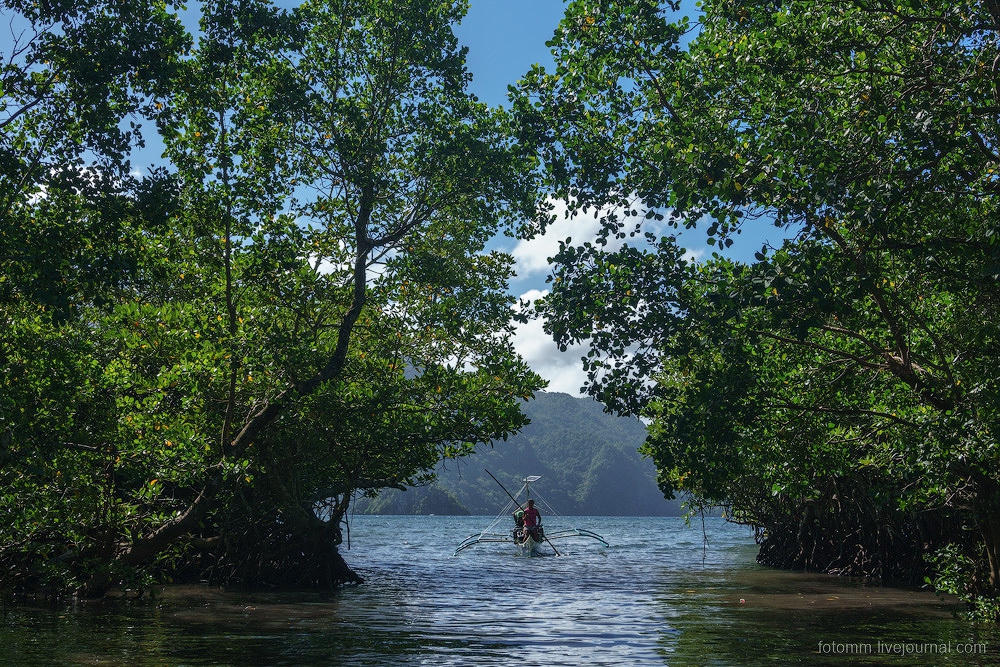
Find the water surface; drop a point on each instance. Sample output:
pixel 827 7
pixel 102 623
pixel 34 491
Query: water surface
pixel 664 593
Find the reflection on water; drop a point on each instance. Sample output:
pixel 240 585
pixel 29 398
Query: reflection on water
pixel 660 595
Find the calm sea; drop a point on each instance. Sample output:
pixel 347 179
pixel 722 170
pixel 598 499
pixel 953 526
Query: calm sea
pixel 663 593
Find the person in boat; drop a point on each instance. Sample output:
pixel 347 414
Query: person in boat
pixel 532 521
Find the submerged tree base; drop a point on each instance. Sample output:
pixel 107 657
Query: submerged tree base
pixel 929 549
pixel 851 538
pixel 296 552
pixel 292 555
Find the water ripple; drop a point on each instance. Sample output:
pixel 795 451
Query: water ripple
pixel 663 593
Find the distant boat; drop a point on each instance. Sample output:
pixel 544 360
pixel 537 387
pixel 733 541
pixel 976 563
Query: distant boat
pixel 507 528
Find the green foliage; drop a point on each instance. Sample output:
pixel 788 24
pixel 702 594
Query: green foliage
pixel 69 93
pixel 209 359
pixel 854 361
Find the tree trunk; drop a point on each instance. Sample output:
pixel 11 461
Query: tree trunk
pixel 986 509
pixel 991 538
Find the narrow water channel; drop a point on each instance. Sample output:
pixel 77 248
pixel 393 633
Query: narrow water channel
pixel 663 593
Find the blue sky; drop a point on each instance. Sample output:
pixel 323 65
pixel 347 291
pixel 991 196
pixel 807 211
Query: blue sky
pixel 505 38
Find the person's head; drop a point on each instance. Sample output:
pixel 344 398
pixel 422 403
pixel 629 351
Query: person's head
pixel 531 503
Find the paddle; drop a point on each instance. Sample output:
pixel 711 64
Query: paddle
pixel 517 504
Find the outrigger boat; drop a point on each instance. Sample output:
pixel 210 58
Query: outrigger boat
pixel 526 542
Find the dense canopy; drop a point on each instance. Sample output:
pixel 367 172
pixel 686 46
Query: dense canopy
pixel 203 362
pixel 840 391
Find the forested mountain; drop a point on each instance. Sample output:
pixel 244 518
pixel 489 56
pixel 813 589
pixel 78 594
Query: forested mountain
pixel 587 459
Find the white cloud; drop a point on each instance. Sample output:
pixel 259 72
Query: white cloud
pixel 532 256
pixel 563 370
pixel 694 256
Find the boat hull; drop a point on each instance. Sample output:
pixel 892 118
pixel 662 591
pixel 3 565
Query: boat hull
pixel 529 547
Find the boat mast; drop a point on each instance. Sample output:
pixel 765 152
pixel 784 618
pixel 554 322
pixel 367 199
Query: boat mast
pixel 527 485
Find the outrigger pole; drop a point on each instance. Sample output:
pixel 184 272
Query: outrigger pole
pixel 518 505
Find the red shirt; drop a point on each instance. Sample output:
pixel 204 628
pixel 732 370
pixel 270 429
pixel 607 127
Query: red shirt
pixel 531 517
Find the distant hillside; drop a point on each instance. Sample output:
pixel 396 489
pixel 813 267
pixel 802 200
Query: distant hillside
pixel 587 460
